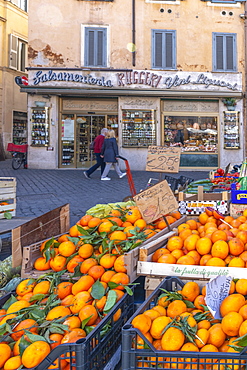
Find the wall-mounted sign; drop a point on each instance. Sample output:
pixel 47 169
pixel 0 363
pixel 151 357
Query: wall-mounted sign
pixel 163 159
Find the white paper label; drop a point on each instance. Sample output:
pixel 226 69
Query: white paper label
pixel 217 289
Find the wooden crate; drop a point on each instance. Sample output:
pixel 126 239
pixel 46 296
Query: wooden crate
pixel 35 231
pixel 8 195
pixel 149 246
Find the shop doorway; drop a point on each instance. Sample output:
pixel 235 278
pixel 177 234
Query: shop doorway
pixel 77 132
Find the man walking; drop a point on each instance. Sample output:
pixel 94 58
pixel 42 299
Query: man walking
pixel 98 142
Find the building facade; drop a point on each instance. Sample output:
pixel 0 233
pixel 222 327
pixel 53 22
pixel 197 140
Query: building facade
pixel 13 61
pixel 157 72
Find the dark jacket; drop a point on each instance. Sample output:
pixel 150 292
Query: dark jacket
pixel 110 150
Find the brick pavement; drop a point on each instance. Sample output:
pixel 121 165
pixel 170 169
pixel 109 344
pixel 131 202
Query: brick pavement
pixel 40 191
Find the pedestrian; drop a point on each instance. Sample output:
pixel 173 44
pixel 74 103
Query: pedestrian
pixel 98 143
pixel 110 154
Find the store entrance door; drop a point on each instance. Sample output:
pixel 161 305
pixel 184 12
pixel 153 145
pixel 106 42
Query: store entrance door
pixel 87 128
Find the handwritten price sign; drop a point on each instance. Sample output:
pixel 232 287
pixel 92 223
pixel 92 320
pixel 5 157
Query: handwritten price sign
pixel 163 159
pixel 156 201
pixel 216 291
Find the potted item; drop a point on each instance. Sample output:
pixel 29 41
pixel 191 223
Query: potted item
pixel 230 103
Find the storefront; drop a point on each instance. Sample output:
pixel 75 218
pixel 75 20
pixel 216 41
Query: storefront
pixel 144 108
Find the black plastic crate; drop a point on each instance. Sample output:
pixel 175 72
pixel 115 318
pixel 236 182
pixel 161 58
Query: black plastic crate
pixel 95 352
pixel 182 180
pixel 150 358
pixel 172 182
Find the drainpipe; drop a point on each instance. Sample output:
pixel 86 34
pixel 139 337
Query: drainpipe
pixel 134 33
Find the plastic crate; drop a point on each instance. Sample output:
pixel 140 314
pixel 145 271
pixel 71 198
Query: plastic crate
pixel 95 352
pixel 185 180
pixel 238 196
pixel 172 182
pixel 17 148
pixel 137 359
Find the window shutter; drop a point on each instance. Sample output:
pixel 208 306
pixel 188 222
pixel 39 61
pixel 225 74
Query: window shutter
pixel 13 49
pixel 91 47
pixel 219 52
pixel 100 48
pixel 158 57
pixel 169 50
pixel 95 47
pixel 229 53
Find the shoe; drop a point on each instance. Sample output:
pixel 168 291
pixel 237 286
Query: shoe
pixel 86 175
pixel 105 178
pixel 123 174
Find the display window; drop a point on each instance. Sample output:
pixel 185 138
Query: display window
pixel 191 133
pixel 138 128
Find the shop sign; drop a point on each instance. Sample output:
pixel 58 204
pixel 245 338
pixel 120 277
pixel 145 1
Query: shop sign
pixel 141 79
pixel 197 207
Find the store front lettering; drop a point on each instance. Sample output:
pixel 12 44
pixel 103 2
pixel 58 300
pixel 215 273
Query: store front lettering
pixel 70 77
pixel 140 78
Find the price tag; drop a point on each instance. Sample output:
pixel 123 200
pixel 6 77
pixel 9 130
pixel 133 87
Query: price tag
pixel 217 289
pixel 156 201
pixel 163 159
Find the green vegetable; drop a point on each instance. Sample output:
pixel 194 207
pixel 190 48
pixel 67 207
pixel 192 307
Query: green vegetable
pixel 103 210
pixel 202 181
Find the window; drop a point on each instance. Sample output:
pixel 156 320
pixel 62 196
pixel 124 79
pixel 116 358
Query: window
pixel 95 47
pixel 17 53
pixel 163 49
pixel 224 52
pixel 22 4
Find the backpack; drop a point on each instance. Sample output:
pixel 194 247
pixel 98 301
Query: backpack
pixel 91 146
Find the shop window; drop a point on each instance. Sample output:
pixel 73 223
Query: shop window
pixel 17 53
pixel 163 49
pixel 224 52
pixel 95 47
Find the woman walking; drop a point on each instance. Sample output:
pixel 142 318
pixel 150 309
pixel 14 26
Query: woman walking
pixel 110 154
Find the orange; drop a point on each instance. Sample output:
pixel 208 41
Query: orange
pixel 27 324
pixel 73 231
pixel 41 264
pixel 153 314
pixel 177 253
pixel 73 263
pixel 67 301
pixel 195 255
pixel 204 324
pixel 25 286
pixel 63 238
pixel 170 219
pixel 73 336
pixel 232 303
pixel 72 322
pixel 17 306
pixel 190 291
pixel 242 227
pixel 243 256
pixel 236 246
pixel 120 278
pixel 245 213
pixel 63 289
pixel 242 235
pixel 126 223
pixel 142 224
pixel 119 293
pixel 235 223
pixel 115 212
pixel 107 276
pixel 133 215
pixel 160 309
pixel 215 261
pixel 199 301
pixel 80 300
pixel 218 235
pixel 142 322
pixel 241 286
pixel 163 301
pixel 84 283
pixel 190 242
pixel 35 353
pixel 85 219
pixel 13 363
pixel 118 236
pixel 209 348
pixel 203 217
pixel 205 259
pixel 56 312
pixel 96 272
pixel 58 263
pixel 5 353
pixel 175 242
pixel 105 227
pixel 116 220
pixel 192 224
pixel 231 323
pixel 42 287
pixel 158 253
pixel 148 233
pixel 182 226
pixel 176 214
pixel 175 308
pixel 185 233
pixel 167 258
pixel 119 264
pixel 85 266
pixel 129 230
pixel 158 325
pixel 100 303
pixel 66 249
pixel 107 261
pixel 88 311
pixel 243 311
pixel 186 260
pixel 189 318
pixel 203 246
pixel 236 262
pixel 95 221
pixel 216 335
pixel 86 251
pixel 220 249
pixel 242 329
pixel 172 340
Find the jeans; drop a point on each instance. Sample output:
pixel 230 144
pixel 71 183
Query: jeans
pixel 99 163
pixel 107 169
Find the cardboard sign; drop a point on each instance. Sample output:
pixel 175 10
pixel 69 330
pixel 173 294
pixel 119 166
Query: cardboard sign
pixel 217 290
pixel 163 159
pixel 197 207
pixel 156 201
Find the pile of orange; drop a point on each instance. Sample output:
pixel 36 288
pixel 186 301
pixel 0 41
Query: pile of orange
pixel 182 322
pixel 95 241
pixel 43 315
pixel 207 242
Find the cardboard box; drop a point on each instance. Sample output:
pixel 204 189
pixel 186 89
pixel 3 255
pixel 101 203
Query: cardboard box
pixel 237 210
pixel 195 204
pixel 7 195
